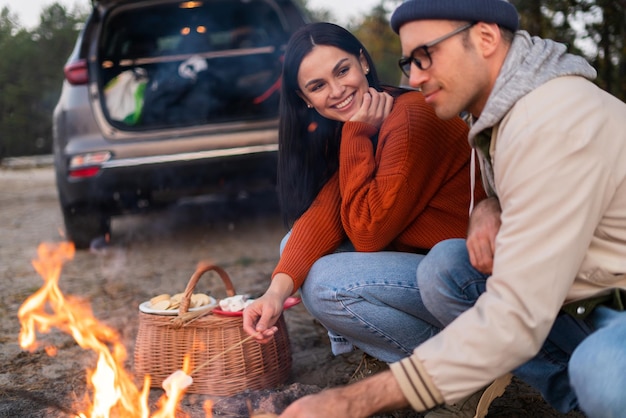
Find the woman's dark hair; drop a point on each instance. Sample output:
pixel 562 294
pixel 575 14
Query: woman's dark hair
pixel 308 142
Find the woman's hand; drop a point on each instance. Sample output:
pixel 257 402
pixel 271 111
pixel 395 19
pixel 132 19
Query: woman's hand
pixel 260 316
pixel 375 108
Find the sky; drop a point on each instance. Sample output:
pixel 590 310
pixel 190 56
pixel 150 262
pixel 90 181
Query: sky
pixel 28 11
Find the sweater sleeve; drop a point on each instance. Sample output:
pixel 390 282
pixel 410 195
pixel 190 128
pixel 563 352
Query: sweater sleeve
pixel 383 193
pixel 316 233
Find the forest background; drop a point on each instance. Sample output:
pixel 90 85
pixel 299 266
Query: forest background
pixel 31 68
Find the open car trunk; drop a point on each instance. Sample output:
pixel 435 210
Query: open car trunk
pixel 189 63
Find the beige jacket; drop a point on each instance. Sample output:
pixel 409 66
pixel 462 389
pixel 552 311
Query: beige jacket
pixel 559 162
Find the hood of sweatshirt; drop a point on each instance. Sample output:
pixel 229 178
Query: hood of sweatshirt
pixel 530 62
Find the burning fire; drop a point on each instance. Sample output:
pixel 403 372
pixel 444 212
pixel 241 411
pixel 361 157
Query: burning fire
pixel 111 390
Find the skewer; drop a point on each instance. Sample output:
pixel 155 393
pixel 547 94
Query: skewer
pixel 215 357
pixel 183 380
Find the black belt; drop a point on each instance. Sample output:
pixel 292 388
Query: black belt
pixel 580 309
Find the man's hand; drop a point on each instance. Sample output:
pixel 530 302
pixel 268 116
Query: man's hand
pixel 361 399
pixel 481 235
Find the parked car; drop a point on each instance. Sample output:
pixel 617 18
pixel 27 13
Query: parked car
pixel 166 99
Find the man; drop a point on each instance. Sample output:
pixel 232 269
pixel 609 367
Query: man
pixel 553 152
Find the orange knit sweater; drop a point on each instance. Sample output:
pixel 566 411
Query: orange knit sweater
pixel 409 195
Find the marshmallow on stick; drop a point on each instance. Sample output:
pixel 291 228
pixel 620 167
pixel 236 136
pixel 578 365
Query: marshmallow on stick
pixel 181 380
pixel 177 382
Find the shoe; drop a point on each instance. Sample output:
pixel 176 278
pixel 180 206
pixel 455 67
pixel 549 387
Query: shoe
pixel 368 366
pixel 474 406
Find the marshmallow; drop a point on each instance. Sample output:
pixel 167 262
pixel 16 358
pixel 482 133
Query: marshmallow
pixel 177 382
pixel 235 303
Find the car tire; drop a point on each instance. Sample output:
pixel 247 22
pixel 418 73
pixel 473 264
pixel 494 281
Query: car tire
pixel 83 226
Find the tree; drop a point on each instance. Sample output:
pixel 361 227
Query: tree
pixel 610 34
pixel 317 15
pixel 31 76
pixel 595 29
pixel 17 51
pixel 381 42
pixel 9 23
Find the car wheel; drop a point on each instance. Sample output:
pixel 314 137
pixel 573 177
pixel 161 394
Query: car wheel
pixel 83 226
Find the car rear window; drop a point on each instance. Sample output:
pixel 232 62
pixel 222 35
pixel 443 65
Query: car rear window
pixel 187 63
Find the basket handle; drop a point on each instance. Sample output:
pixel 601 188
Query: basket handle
pixel 203 267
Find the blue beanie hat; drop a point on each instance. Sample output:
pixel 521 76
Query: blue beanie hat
pixel 489 11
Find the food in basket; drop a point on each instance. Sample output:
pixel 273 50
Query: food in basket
pixel 167 302
pixel 200 299
pixel 160 302
pixel 235 303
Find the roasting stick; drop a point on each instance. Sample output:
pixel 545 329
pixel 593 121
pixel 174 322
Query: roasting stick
pixel 182 380
pixel 232 347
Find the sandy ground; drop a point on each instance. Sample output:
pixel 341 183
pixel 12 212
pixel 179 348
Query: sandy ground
pixel 151 254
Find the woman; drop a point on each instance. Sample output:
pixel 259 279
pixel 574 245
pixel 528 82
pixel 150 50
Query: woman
pixel 369 180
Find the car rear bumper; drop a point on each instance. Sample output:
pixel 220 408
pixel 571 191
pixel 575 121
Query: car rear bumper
pixel 209 155
pixel 129 184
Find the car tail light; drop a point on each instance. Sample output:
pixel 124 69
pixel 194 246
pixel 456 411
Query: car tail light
pixel 87 165
pixel 82 173
pixel 76 72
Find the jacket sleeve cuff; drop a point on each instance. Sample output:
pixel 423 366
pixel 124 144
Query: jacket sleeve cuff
pixel 416 384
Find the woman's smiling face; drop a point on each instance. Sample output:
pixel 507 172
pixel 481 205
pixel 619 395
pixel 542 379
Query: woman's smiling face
pixel 333 82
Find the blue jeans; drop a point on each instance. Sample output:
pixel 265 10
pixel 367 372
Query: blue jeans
pixel 581 364
pixel 369 300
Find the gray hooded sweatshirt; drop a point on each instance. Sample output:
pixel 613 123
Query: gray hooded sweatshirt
pixel 531 62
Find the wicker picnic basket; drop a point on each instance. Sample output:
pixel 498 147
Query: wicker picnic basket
pixel 163 342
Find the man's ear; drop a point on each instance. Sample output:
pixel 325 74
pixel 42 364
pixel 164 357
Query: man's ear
pixel 489 38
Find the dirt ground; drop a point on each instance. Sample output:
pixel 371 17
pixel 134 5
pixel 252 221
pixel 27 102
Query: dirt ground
pixel 151 254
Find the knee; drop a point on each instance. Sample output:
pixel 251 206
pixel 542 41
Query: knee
pixel 442 258
pixel 318 293
pixel 437 269
pixel 596 371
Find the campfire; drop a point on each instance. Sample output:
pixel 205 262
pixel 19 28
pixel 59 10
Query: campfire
pixel 111 390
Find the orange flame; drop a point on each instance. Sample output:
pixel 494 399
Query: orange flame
pixel 113 392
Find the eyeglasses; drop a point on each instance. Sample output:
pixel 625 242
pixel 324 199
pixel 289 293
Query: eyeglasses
pixel 420 56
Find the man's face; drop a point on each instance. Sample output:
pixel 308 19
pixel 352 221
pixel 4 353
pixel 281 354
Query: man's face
pixel 456 75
